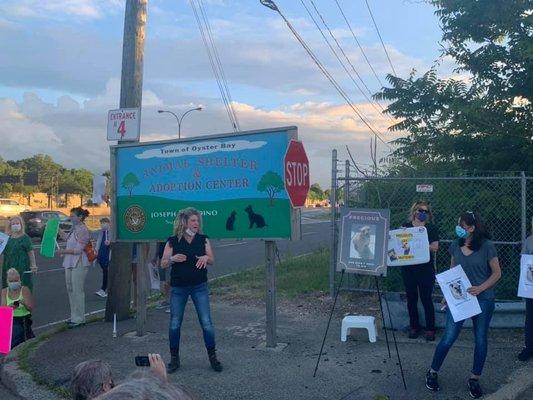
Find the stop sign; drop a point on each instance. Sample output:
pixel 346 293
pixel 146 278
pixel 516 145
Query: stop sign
pixel 296 173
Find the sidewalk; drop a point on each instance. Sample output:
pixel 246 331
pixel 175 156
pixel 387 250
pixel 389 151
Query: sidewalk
pixel 352 370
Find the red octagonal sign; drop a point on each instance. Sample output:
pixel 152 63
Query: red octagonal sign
pixel 296 173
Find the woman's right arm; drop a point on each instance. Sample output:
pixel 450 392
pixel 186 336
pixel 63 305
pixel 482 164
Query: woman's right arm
pixel 3 302
pixel 167 253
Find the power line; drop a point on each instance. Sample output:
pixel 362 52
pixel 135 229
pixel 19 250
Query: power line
pixel 380 38
pixel 217 59
pixel 372 102
pixel 358 43
pixel 270 4
pixel 216 66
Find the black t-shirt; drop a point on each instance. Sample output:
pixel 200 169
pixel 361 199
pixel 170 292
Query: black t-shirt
pixel 186 273
pixel 433 236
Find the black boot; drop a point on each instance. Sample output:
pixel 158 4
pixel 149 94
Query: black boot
pixel 174 364
pixel 215 364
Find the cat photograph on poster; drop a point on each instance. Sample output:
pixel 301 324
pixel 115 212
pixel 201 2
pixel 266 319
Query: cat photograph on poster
pixel 363 243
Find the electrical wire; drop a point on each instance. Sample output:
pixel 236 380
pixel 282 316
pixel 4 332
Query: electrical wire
pixel 216 67
pixel 380 38
pixel 358 43
pixel 270 4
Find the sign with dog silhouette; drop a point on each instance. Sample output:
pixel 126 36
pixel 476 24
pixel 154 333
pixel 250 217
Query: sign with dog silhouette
pixel 236 181
pixel 525 284
pixel 408 246
pixel 454 285
pixel 363 241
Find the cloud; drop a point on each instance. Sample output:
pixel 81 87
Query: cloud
pixel 59 9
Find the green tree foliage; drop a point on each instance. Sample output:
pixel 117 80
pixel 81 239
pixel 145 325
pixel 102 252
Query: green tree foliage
pixel 272 184
pixel 484 120
pixel 129 182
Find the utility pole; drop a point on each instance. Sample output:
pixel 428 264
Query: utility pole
pixel 118 300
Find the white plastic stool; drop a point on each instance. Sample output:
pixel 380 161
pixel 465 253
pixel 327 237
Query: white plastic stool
pixel 359 321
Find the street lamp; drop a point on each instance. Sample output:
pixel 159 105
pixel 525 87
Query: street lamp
pixel 179 119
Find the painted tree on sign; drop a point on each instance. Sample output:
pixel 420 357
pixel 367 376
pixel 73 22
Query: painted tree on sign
pixel 272 184
pixel 130 181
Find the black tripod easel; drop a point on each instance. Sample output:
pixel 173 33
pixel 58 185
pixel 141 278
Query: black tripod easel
pixel 384 327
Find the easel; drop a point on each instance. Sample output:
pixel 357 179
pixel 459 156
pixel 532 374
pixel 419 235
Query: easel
pixel 384 327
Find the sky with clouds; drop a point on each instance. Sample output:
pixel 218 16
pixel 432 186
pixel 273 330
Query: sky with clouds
pixel 61 59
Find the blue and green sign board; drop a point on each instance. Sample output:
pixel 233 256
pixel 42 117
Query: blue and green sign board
pixel 236 181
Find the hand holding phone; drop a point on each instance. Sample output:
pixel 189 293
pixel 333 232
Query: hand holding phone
pixel 142 361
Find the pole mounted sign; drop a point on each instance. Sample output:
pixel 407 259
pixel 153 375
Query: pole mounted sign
pixel 242 184
pixel 124 124
pixel 297 180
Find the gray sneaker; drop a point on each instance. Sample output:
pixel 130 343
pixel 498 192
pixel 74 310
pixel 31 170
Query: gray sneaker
pixel 474 388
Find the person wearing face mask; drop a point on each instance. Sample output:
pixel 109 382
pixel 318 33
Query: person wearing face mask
pixel 20 299
pixel 419 280
pixel 104 253
pixel 18 253
pixel 188 253
pixel 76 264
pixel 477 255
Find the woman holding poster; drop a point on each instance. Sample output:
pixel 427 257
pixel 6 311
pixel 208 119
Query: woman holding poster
pixel 477 255
pixel 420 279
pixel 188 253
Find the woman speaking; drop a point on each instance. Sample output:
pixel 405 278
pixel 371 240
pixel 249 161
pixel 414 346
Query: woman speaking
pixel 188 253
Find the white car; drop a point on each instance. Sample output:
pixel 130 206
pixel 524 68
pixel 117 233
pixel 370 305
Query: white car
pixel 9 208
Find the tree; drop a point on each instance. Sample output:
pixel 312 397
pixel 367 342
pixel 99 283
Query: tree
pixel 315 192
pixel 272 184
pixel 129 182
pixel 483 122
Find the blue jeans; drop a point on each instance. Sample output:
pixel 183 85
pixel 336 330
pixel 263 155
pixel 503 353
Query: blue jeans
pixel 178 300
pixel 481 324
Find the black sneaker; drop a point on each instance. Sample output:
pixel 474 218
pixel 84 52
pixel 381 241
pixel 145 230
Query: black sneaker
pixel 525 354
pixel 413 333
pixel 475 388
pixel 432 381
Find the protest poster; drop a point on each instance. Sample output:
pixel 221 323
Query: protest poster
pixel 363 241
pixel 3 241
pixel 525 284
pixel 6 329
pixel 408 246
pixel 454 285
pixel 49 241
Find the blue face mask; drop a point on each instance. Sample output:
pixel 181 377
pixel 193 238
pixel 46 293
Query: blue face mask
pixel 421 216
pixel 461 232
pixel 14 285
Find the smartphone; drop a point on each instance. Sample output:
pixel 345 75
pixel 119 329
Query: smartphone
pixel 16 304
pixel 142 361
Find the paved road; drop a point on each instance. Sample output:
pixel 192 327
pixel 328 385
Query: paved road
pixel 232 256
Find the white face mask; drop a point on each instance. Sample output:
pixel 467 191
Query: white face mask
pixel 105 227
pixel 190 232
pixel 16 227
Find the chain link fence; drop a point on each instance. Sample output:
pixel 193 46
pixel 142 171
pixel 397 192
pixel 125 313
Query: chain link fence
pixel 502 201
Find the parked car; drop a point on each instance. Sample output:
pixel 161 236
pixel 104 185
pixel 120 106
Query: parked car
pixel 35 221
pixel 10 208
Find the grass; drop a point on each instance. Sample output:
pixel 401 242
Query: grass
pixel 25 364
pixel 295 277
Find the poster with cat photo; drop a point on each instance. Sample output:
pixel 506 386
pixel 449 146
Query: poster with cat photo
pixel 525 284
pixel 454 285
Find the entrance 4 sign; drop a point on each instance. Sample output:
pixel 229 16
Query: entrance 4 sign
pixel 124 124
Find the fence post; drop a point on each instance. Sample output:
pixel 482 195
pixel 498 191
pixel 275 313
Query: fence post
pixel 346 183
pixel 333 204
pixel 524 204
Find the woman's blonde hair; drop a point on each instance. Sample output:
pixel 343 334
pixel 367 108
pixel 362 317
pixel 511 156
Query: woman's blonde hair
pixel 180 223
pixel 415 206
pixel 12 272
pixel 16 217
